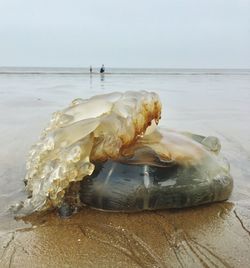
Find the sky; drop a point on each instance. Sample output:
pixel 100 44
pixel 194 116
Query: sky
pixel 131 33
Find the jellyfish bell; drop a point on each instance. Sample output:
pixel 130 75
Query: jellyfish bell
pixel 108 153
pixel 165 169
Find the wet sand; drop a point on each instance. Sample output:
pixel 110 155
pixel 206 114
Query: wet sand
pixel 216 235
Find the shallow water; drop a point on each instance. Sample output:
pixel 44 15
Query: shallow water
pixel 208 103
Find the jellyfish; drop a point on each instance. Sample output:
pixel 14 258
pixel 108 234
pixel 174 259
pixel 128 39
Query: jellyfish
pixel 109 153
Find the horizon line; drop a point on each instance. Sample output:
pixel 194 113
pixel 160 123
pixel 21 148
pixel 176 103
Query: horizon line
pixel 110 67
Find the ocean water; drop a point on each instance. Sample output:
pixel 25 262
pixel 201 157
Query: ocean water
pixel 207 102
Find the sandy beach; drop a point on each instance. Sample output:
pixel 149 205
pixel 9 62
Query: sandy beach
pixel 209 102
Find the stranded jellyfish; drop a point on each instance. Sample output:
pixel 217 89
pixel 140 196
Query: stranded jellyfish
pixel 107 152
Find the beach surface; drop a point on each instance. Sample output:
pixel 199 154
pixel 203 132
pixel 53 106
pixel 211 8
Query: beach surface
pixel 208 102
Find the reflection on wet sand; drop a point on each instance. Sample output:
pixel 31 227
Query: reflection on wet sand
pixel 176 238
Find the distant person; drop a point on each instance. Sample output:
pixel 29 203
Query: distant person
pixel 102 70
pixel 90 69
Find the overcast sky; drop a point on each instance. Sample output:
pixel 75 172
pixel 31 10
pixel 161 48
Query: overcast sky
pixel 131 33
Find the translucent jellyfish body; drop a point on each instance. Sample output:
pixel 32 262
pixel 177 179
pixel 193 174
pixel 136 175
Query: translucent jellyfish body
pixel 102 153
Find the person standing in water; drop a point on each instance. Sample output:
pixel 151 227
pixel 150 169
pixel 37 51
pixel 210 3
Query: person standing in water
pixel 102 70
pixel 90 69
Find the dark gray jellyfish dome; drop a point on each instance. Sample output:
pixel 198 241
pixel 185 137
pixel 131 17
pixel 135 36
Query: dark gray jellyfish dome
pixel 165 169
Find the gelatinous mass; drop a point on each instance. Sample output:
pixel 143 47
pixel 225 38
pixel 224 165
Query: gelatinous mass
pixel 107 152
